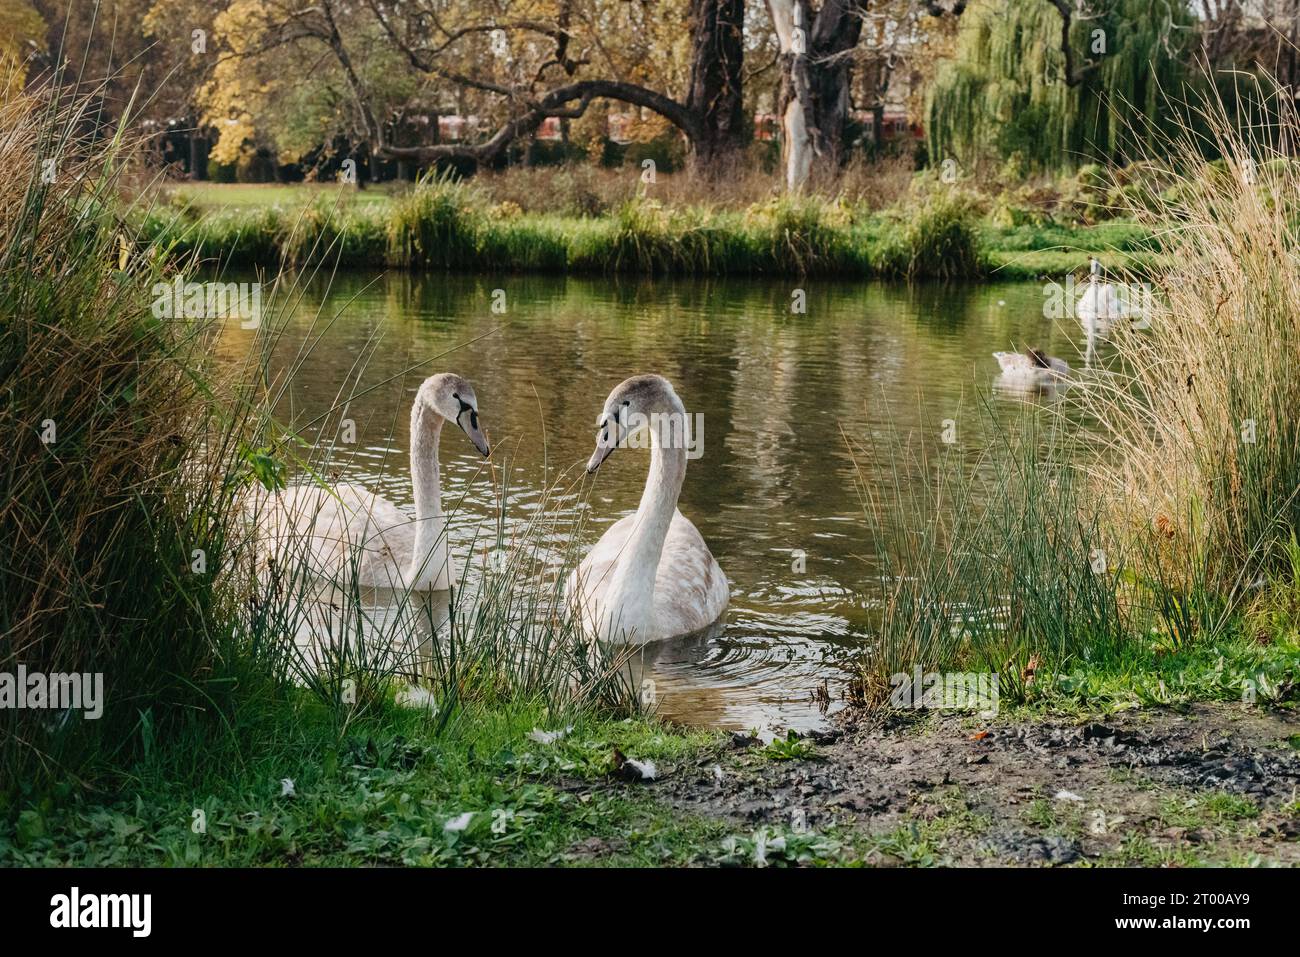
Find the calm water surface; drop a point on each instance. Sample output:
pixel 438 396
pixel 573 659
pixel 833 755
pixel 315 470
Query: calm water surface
pixel 778 394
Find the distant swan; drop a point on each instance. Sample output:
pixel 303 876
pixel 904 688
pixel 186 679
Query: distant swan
pixel 1034 368
pixel 347 525
pixel 650 576
pixel 1100 303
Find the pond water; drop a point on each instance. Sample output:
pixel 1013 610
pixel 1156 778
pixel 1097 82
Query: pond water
pixel 774 492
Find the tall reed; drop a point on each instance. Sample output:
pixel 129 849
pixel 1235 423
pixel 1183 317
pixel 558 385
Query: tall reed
pixel 992 562
pixel 113 516
pixel 1202 466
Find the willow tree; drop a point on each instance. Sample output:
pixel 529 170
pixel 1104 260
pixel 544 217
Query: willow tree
pixel 1061 82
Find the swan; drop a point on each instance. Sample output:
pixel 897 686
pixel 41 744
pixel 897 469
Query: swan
pixel 1100 303
pixel 1035 368
pixel 651 576
pixel 336 528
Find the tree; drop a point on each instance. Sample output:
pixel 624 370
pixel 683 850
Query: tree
pixel 819 51
pixel 517 64
pixel 1061 82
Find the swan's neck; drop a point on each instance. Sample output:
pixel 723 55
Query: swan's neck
pixel 429 557
pixel 630 598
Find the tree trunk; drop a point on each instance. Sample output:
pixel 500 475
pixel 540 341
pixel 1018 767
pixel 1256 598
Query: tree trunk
pixel 794 101
pixel 816 70
pixel 835 33
pixel 717 57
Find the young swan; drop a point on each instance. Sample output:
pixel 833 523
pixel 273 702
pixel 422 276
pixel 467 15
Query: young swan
pixel 650 576
pixel 347 526
pixel 1099 305
pixel 1033 368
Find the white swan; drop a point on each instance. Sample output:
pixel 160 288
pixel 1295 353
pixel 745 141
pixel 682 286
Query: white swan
pixel 1100 304
pixel 1032 369
pixel 346 526
pixel 650 576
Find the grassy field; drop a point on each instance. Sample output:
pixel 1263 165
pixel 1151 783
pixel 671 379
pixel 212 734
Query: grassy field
pixel 460 226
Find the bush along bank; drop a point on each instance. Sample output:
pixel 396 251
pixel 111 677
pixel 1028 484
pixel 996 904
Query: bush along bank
pixel 445 224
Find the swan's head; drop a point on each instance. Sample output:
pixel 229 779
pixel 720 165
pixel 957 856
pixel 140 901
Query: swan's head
pixel 452 397
pixel 643 401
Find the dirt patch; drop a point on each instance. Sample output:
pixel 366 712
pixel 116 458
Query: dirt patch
pixel 1213 784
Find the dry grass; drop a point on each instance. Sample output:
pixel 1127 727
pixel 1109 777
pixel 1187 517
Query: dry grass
pixel 582 189
pixel 1202 473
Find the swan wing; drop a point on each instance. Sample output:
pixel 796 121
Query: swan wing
pixel 691 591
pixel 587 583
pixel 334 529
pixel 1014 362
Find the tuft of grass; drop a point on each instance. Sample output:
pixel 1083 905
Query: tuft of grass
pixel 114 516
pixel 990 563
pixel 437 225
pixel 1202 461
pixel 935 237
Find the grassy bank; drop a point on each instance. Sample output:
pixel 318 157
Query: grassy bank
pixel 389 789
pixel 392 789
pixel 937 232
pixel 1178 534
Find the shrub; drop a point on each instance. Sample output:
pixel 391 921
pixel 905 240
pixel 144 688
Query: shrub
pixel 114 513
pixel 436 225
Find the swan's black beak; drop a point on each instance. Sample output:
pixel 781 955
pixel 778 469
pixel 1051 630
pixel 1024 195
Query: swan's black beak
pixel 480 441
pixel 468 422
pixel 606 442
pixel 602 452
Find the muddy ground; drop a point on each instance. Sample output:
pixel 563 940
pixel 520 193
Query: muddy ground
pixel 1213 784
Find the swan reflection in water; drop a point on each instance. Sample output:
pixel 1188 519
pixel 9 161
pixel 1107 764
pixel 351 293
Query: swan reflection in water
pixel 345 629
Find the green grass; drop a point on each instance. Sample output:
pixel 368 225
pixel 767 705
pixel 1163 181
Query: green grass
pixel 380 791
pixel 214 197
pixel 449 225
pixel 1145 672
pixel 1218 808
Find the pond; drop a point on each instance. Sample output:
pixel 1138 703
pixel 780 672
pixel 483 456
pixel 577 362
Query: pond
pixel 774 493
